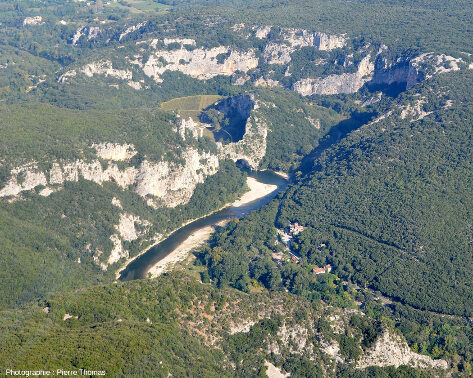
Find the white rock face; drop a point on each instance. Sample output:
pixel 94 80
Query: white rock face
pixel 136 85
pixel 277 53
pixel 116 202
pixel 273 371
pixel 23 178
pixel 170 183
pixel 302 38
pixel 280 53
pixel 117 252
pixel 37 20
pixel 131 29
pixel 440 63
pixel 93 32
pixel 200 63
pixel 127 227
pixel 262 32
pixel 105 68
pixel 252 147
pixel 65 76
pixel 181 41
pixel 391 350
pixel 92 171
pixel 262 82
pixel 46 192
pixel 174 184
pixel 188 126
pixel 335 84
pixel 115 151
pixel 77 35
pixel 69 316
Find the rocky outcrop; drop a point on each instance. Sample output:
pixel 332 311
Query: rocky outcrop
pixel 114 151
pixel 181 41
pixel 273 371
pixel 252 147
pixel 321 41
pixel 169 183
pixel 91 32
pixel 116 254
pixel 337 84
pixel 402 72
pixel 105 68
pixel 278 53
pixel 173 53
pixel 131 29
pixel 262 32
pixel 410 71
pixel 174 184
pixel 189 127
pixel 435 64
pixel 162 183
pixel 37 20
pixel 23 178
pixel 199 63
pixel 127 227
pixel 79 33
pixel 391 350
pixel 293 39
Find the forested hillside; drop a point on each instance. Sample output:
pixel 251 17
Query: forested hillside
pixel 392 200
pixel 177 325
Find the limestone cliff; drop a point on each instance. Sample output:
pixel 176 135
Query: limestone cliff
pixel 337 84
pixel 401 72
pixel 150 57
pixel 391 350
pixel 293 39
pixel 168 184
pixel 252 147
pixel 199 63
pixel 162 183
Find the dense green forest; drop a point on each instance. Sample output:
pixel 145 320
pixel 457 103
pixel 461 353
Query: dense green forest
pixel 402 175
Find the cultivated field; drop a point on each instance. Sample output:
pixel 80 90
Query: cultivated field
pixel 190 106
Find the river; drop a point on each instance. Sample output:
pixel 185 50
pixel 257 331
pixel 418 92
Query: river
pixel 139 267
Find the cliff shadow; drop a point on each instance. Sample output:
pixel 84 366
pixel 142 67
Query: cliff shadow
pixel 335 135
pixel 395 79
pixel 228 118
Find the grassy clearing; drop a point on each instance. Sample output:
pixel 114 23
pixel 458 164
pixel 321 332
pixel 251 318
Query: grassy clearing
pixel 140 6
pixel 190 106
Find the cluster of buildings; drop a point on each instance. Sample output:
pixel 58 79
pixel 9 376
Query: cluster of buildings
pixel 295 229
pixel 326 269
